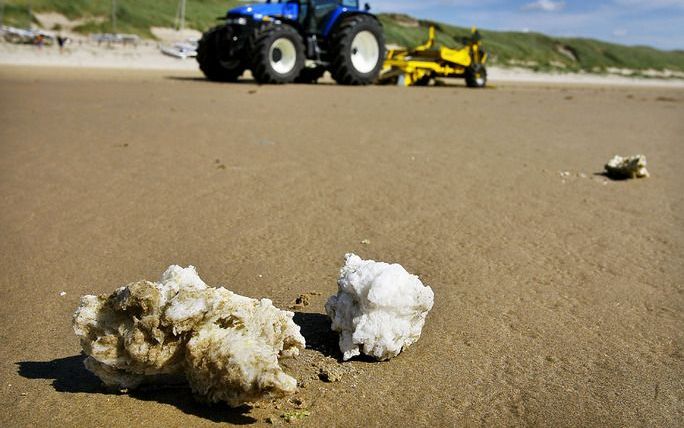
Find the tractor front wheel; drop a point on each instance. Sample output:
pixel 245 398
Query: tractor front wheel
pixel 358 49
pixel 213 56
pixel 277 54
pixel 476 76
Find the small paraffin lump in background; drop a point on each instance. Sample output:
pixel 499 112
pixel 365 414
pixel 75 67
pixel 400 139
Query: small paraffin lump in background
pixel 629 167
pixel 224 345
pixel 379 309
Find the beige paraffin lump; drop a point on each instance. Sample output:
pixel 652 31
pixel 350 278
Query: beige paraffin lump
pixel 224 345
pixel 627 167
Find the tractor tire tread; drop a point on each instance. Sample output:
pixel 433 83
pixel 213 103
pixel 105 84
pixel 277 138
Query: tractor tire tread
pixel 471 77
pixel 260 50
pixel 342 69
pixel 209 61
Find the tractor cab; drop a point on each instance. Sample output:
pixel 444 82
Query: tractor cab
pixel 317 16
pixel 316 13
pixel 313 16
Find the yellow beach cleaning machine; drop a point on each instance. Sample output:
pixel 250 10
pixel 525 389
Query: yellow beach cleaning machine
pixel 418 66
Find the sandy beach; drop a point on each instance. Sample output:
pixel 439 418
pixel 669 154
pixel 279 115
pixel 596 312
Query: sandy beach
pixel 558 292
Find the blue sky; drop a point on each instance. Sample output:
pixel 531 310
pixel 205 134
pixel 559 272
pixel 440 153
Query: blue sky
pixel 658 23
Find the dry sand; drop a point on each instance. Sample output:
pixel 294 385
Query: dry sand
pixel 558 299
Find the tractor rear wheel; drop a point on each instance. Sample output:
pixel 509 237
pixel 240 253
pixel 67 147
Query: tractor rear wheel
pixel 358 51
pixel 476 76
pixel 277 54
pixel 213 56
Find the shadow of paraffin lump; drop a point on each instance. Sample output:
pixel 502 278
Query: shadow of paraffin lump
pixel 605 175
pixel 215 412
pixel 316 330
pixel 70 375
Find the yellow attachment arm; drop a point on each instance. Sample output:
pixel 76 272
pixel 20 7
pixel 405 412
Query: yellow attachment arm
pixel 430 42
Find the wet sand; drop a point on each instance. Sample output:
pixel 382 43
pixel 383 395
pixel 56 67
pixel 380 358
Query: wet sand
pixel 558 298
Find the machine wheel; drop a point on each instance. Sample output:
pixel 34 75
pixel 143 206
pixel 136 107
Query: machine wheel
pixel 476 76
pixel 277 54
pixel 423 81
pixel 358 51
pixel 310 74
pixel 213 59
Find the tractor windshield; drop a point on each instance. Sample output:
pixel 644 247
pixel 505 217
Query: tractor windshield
pixel 346 3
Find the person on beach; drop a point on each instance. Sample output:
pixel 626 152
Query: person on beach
pixel 61 41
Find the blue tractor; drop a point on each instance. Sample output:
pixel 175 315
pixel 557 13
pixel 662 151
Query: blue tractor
pixel 295 41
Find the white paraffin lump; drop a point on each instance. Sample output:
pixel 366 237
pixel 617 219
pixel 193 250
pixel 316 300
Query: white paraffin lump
pixel 224 345
pixel 379 309
pixel 629 167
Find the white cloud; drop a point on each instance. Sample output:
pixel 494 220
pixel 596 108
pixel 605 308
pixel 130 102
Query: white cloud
pixel 545 5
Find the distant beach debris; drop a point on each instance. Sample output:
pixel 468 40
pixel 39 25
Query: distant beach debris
pixel 182 50
pixel 115 38
pixel 26 36
pixel 621 168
